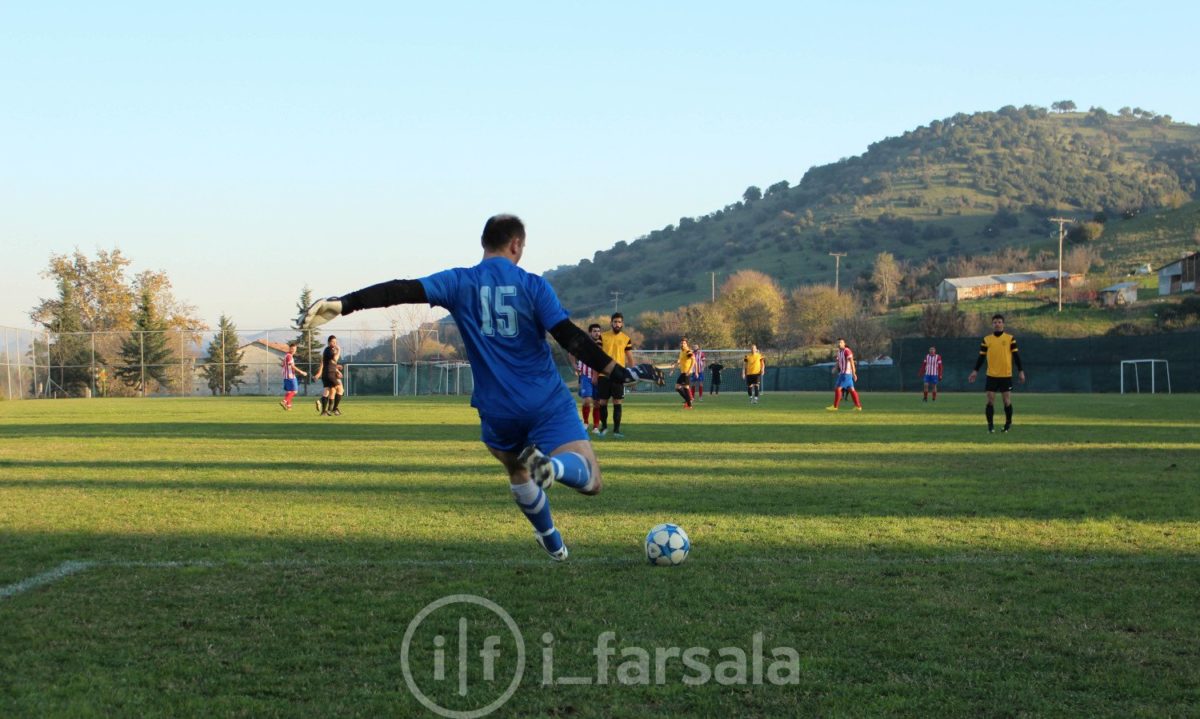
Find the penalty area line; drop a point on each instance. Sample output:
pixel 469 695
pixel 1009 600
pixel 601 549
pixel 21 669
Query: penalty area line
pixel 71 567
pixel 62 571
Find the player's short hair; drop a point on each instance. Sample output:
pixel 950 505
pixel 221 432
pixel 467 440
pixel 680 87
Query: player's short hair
pixel 499 230
pixel 292 344
pixel 841 339
pixel 615 315
pixel 330 337
pixel 998 317
pixel 593 326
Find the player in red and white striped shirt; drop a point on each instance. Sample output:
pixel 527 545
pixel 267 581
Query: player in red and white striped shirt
pixel 931 368
pixel 290 386
pixel 697 387
pixel 587 383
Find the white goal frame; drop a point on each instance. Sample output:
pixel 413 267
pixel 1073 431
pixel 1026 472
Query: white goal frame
pixel 1137 382
pixel 356 365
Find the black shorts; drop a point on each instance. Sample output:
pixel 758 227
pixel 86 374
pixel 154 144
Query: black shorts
pixel 330 381
pixel 998 384
pixel 607 389
pixel 684 380
pixel 753 379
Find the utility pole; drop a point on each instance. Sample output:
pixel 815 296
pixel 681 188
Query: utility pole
pixel 1062 232
pixel 616 300
pixel 837 270
pixel 714 286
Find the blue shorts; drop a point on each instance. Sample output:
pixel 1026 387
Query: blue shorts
pixel 698 378
pixel 931 379
pixel 845 381
pixel 291 385
pixel 587 390
pixel 553 426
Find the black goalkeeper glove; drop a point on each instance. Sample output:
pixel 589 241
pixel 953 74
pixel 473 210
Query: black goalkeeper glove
pixel 624 375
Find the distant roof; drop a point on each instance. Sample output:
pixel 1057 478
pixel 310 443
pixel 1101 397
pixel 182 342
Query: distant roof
pixel 1120 286
pixel 1173 262
pixel 1015 277
pixel 277 346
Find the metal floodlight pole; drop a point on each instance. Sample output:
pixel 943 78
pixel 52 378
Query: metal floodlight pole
pixel 1062 222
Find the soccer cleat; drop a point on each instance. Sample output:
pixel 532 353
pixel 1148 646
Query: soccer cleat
pixel 541 469
pixel 831 408
pixel 618 435
pixel 336 412
pixel 858 409
pixel 284 404
pixel 1006 428
pixel 558 555
pixel 319 408
pixel 602 431
pixel 991 430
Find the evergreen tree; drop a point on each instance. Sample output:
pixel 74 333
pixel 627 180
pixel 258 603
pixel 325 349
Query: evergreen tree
pixel 146 354
pixel 308 344
pixel 223 368
pixel 70 354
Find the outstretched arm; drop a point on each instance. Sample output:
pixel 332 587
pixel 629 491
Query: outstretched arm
pixel 579 344
pixel 384 294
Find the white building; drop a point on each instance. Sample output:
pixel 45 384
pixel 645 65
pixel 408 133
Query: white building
pixel 1179 276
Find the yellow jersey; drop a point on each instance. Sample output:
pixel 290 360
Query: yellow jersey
pixel 754 363
pixel 686 360
pixel 999 351
pixel 615 345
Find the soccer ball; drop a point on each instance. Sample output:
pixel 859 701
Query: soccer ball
pixel 667 545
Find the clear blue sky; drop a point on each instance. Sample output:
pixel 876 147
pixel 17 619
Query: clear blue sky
pixel 248 149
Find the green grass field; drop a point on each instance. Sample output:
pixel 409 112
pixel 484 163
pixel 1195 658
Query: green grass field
pixel 201 557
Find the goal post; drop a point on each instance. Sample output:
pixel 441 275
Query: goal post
pixel 1153 369
pixel 371 378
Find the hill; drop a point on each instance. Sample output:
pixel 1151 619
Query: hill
pixel 966 185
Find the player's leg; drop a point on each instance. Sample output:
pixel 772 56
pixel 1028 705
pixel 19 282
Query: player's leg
pixel 684 391
pixel 925 392
pixel 990 411
pixel 698 388
pixel 530 498
pixel 1008 410
pixel 337 397
pixel 837 395
pixel 933 386
pixel 617 390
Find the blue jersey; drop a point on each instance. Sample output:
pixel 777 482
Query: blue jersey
pixel 503 314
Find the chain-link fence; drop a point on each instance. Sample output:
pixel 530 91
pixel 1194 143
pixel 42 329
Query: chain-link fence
pixel 40 364
pixel 183 364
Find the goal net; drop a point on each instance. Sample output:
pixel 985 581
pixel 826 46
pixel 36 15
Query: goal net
pixel 1149 373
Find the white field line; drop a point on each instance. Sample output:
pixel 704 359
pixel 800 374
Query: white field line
pixel 68 568
pixel 65 569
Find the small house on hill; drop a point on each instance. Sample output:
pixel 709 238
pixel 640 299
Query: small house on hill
pixel 1179 276
pixel 953 289
pixel 1119 295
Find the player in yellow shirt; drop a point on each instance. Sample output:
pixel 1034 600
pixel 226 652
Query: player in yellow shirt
pixel 754 366
pixel 685 363
pixel 999 349
pixel 619 346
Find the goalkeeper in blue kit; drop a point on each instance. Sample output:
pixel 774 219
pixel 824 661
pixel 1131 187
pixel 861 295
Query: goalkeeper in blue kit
pixel 503 314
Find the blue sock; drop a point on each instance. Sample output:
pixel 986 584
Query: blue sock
pixel 572 470
pixel 536 506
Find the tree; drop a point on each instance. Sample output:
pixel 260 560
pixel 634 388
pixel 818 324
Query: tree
pixel 811 312
pixel 105 299
pixel 778 187
pixel 705 323
pixel 145 354
pixel 308 344
pixel 752 304
pixel 866 336
pixel 942 320
pixel 1063 106
pixel 223 366
pixel 885 277
pixel 1085 232
pixel 70 354
pixel 752 194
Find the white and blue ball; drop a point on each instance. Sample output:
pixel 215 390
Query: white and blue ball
pixel 667 545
